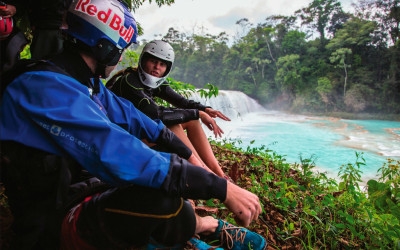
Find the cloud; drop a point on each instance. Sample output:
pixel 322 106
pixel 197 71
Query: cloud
pixel 210 16
pixel 226 21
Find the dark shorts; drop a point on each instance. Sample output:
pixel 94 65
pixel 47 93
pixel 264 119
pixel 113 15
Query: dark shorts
pixel 127 217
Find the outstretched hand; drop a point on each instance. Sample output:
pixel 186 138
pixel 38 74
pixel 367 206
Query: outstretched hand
pixel 215 113
pixel 211 124
pixel 243 204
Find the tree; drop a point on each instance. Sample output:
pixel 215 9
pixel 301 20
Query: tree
pixel 294 43
pixel 324 88
pixel 339 57
pixel 134 4
pixel 278 59
pixel 172 36
pixel 318 15
pixel 258 62
pixel 245 26
pixel 355 33
pixel 387 15
pixel 288 75
pixel 260 39
pixel 282 25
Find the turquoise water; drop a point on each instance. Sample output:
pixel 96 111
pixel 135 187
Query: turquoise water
pixel 331 142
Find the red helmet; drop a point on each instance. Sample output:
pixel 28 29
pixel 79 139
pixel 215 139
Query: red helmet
pixel 6 27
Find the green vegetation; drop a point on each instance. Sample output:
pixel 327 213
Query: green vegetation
pixel 320 59
pixel 134 4
pixel 303 209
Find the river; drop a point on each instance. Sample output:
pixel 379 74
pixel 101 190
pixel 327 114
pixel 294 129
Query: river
pixel 330 142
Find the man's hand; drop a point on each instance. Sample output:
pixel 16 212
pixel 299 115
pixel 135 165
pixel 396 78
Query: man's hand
pixel 211 124
pixel 215 113
pixel 245 205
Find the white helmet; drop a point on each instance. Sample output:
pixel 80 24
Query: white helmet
pixel 161 50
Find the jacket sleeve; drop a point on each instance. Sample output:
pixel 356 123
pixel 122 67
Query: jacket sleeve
pixel 170 143
pixel 123 113
pixel 192 182
pixel 55 113
pixel 167 140
pixel 168 94
pixel 129 88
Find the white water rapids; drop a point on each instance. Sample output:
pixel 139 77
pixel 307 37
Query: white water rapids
pixel 331 142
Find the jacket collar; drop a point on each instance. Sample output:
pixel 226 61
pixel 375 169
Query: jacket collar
pixel 72 62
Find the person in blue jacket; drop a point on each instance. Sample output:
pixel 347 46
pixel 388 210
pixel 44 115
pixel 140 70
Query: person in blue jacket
pixel 76 171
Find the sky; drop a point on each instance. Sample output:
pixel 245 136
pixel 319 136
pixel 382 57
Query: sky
pixel 213 16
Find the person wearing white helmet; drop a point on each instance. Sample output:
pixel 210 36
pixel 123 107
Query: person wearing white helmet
pixel 161 50
pixel 148 81
pixel 76 171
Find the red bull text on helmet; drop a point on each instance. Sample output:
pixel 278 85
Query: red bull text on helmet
pixel 110 19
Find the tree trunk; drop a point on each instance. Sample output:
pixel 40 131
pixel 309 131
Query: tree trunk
pixel 254 79
pixel 345 79
pixel 270 53
pixel 262 71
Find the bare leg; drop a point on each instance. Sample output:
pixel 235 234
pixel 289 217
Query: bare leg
pixel 178 131
pixel 194 159
pixel 200 142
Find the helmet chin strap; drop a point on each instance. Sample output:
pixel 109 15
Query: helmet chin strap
pixel 100 70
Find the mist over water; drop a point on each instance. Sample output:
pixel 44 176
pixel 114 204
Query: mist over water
pixel 329 141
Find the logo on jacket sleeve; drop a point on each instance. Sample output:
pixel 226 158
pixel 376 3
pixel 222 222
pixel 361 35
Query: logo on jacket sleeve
pixel 55 130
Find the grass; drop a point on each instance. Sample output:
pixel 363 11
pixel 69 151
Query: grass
pixel 302 209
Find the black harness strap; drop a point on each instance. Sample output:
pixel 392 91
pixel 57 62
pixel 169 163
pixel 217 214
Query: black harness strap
pixel 27 65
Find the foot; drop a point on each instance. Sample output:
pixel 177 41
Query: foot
pixel 237 238
pixel 197 244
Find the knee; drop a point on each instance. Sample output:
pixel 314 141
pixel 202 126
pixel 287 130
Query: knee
pixel 147 213
pixel 178 229
pixel 175 128
pixel 191 125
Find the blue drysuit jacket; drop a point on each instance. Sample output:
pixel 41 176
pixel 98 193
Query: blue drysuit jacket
pixel 58 114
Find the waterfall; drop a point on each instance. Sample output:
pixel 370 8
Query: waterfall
pixel 233 104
